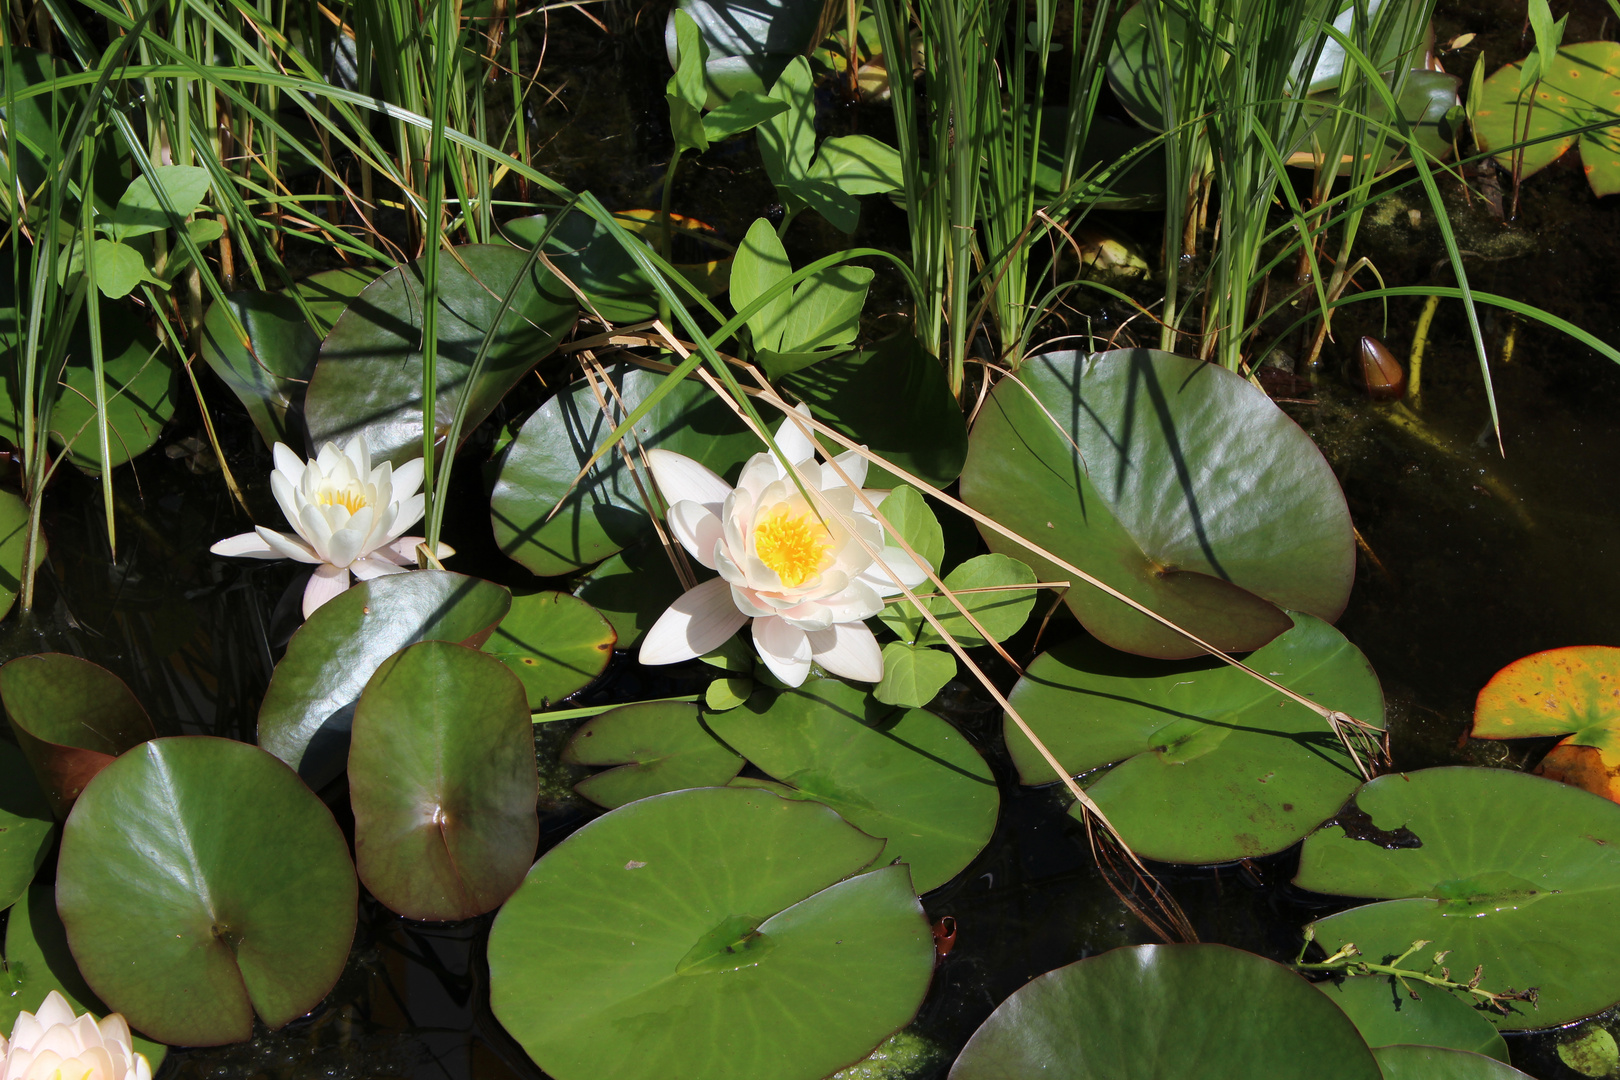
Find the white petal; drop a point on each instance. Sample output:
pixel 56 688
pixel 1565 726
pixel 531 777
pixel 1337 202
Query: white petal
pixel 697 528
pixel 290 547
pixel 785 649
pixel 344 547
pixel 373 566
pixel 683 480
pixel 54 1010
pixel 326 582
pixel 410 512
pixel 247 545
pixel 854 467
pixel 848 649
pixel 287 495
pixel 795 444
pixel 749 603
pixel 699 621
pixel 403 550
pixel 893 563
pixel 358 453
pixel 315 527
pixel 760 472
pixel 329 459
pixel 407 479
pixel 288 463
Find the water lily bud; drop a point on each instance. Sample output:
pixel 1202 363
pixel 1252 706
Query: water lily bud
pixel 1381 374
pixel 54 1044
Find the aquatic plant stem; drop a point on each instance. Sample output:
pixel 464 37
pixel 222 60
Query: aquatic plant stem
pixel 598 710
pixel 1414 359
pixel 1345 962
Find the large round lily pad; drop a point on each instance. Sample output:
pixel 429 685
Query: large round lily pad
pixel 910 778
pixel 1581 87
pixel 1212 764
pixel 1388 1013
pixel 71 717
pixel 307 710
pixel 1509 872
pixel 269 371
pixel 137 379
pixel 1573 691
pixel 1152 1012
pixel 1438 1063
pixel 369 375
pixel 443 781
pixel 632 589
pixel 1191 492
pixel 202 883
pixel 716 933
pixel 657 746
pixel 605 512
pixel 554 643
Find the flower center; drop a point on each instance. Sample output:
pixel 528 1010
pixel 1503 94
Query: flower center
pixel 350 496
pixel 795 547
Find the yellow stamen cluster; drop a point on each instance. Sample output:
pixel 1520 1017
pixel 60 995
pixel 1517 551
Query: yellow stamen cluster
pixel 351 497
pixel 795 547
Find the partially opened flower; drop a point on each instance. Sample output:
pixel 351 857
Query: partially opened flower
pixel 54 1044
pixel 797 569
pixel 348 518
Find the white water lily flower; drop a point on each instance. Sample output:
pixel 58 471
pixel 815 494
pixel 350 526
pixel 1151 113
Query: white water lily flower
pixel 347 515
pixel 801 576
pixel 54 1044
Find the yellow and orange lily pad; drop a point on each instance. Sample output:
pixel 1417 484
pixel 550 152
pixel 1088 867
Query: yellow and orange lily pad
pixel 1574 692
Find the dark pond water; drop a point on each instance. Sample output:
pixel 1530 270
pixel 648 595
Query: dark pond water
pixel 1472 559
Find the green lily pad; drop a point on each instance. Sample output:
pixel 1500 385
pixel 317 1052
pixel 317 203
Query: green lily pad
pixel 71 718
pixel 1001 610
pixel 658 746
pixel 749 41
pixel 13 539
pixel 1388 1014
pixel 38 961
pixel 1530 901
pixel 1581 87
pixel 586 253
pixel 307 709
pixel 369 375
pixel 1425 99
pixel 604 513
pixel 910 779
pixel 554 643
pixel 711 910
pixel 1437 1063
pixel 913 674
pixel 26 826
pixel 631 590
pixel 1212 765
pixel 330 292
pixel 1150 1012
pixel 1591 1052
pixel 138 379
pixel 1191 492
pixel 1138 186
pixel 37 123
pixel 443 781
pixel 1573 691
pixel 894 399
pixel 269 372
pixel 235 893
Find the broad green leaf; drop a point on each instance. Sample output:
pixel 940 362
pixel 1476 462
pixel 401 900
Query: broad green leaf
pixel 71 718
pixel 13 538
pixel 235 893
pixel 787 147
pixel 26 826
pixel 1388 1013
pixel 554 643
pixel 657 746
pixel 745 111
pixel 749 41
pixel 910 517
pixel 369 375
pixel 1437 1063
pixel 1580 87
pixel 1213 766
pixel 330 292
pixel 1001 611
pixel 119 269
pixel 913 674
pixel 1529 901
pixel 826 309
pixel 443 782
pixel 583 251
pixel 760 265
pixel 1190 492
pixel 859 165
pixel 895 399
pixel 309 706
pixel 139 211
pixel 604 513
pixel 37 123
pixel 686 91
pixel 631 590
pixel 38 961
pixel 138 380
pixel 910 779
pixel 268 372
pixel 1152 1012
pixel 727 693
pixel 1573 691
pixel 709 910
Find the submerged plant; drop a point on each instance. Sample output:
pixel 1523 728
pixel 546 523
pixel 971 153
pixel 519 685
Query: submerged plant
pixel 808 569
pixel 348 518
